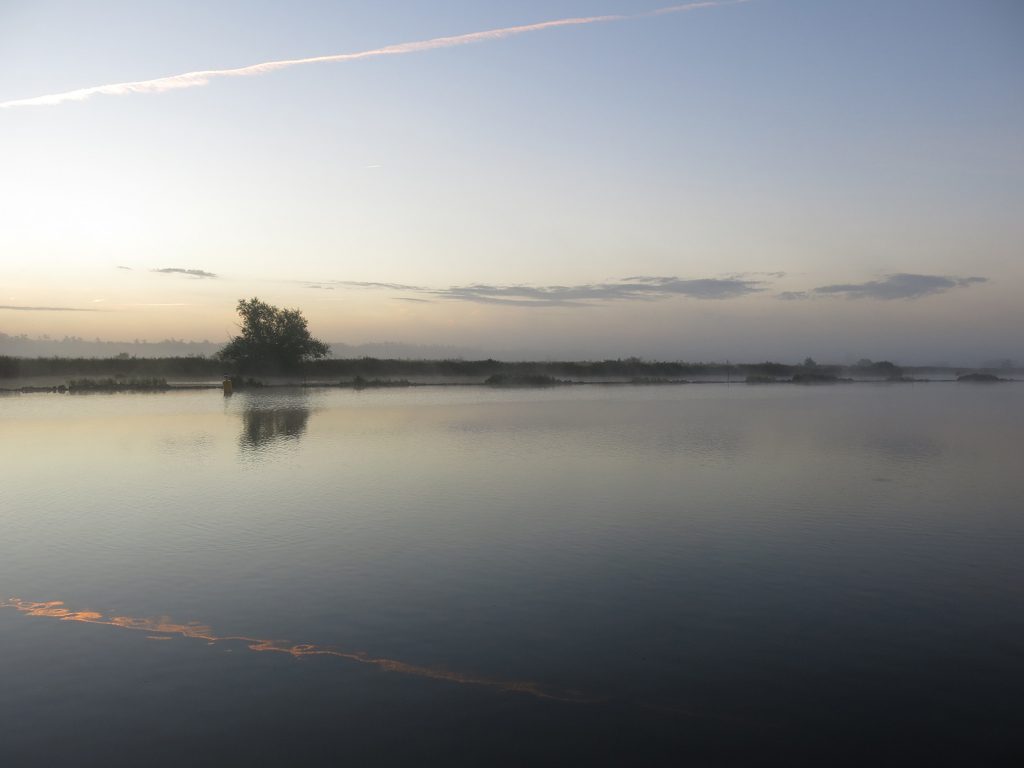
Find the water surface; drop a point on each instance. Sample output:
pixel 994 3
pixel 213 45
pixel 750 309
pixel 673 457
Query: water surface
pixel 706 574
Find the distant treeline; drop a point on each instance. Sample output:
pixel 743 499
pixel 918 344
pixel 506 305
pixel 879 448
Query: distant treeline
pixel 122 365
pixel 24 346
pixel 370 368
pixel 626 369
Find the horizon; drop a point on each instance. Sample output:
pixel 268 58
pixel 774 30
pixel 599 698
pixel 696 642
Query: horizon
pixel 766 179
pixel 71 347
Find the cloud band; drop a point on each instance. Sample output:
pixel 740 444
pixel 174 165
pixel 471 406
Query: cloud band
pixel 898 286
pixel 640 288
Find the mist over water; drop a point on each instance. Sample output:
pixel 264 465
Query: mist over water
pixel 706 574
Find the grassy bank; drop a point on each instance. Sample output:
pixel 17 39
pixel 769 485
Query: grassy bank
pixel 375 372
pixel 371 368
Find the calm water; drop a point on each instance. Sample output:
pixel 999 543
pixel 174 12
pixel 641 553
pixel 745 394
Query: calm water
pixel 698 575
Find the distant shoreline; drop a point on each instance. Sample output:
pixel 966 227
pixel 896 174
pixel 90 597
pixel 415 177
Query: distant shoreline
pixel 200 368
pixel 457 374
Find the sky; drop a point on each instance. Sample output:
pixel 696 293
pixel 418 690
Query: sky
pixel 767 179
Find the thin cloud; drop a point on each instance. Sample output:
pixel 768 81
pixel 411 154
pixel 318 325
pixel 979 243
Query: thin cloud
pixel 390 286
pixel 637 288
pixel 203 77
pixel 190 272
pixel 17 308
pixel 777 275
pixel 634 289
pixel 122 267
pixel 891 287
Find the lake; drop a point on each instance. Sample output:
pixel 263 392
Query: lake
pixel 659 575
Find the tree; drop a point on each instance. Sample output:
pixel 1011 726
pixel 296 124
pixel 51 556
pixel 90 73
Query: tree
pixel 272 340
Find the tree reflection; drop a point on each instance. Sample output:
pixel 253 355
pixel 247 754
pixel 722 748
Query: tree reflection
pixel 263 424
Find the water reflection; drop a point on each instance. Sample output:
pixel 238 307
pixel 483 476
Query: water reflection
pixel 166 628
pixel 267 421
pixel 905 448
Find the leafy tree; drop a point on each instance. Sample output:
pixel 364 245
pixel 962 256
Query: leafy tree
pixel 272 340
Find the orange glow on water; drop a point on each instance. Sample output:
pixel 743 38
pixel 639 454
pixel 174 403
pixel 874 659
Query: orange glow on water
pixel 166 629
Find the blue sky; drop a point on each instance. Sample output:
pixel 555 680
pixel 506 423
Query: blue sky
pixel 788 177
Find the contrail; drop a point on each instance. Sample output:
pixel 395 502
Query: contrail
pixel 202 77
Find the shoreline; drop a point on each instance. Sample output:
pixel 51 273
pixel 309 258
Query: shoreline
pixel 63 389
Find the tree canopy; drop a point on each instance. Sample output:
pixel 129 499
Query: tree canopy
pixel 271 340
